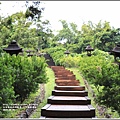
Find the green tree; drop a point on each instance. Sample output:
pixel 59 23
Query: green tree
pixel 44 34
pixel 68 32
pixel 70 35
pixel 34 10
pixel 24 32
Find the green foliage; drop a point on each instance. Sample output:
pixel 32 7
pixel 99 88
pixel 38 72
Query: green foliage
pixel 70 61
pixel 105 75
pixel 56 53
pixel 20 76
pixel 101 36
pixel 29 73
pixel 17 27
pixel 33 11
pixel 6 84
pixel 98 52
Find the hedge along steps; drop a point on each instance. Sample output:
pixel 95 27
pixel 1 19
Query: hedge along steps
pixel 69 99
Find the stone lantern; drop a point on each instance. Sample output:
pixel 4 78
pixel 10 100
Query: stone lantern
pixel 30 52
pixel 89 49
pixel 116 53
pixel 67 52
pixel 13 48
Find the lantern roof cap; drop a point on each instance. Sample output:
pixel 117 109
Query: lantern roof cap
pixel 13 46
pixel 116 49
pixel 89 48
pixel 67 52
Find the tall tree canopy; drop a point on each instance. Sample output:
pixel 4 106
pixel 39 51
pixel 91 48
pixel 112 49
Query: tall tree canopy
pixel 101 36
pixel 29 31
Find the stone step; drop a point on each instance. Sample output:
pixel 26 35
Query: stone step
pixel 68 111
pixel 69 100
pixel 64 75
pixel 70 88
pixel 65 78
pixel 68 83
pixel 61 69
pixel 69 93
pixel 63 72
pixel 57 67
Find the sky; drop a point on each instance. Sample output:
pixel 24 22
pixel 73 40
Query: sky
pixel 78 12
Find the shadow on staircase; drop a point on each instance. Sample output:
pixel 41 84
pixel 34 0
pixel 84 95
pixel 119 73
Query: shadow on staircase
pixel 49 59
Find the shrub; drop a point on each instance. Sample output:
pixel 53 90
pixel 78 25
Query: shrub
pixel 19 76
pixel 105 75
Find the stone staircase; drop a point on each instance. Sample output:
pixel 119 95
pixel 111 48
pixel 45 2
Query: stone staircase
pixel 68 99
